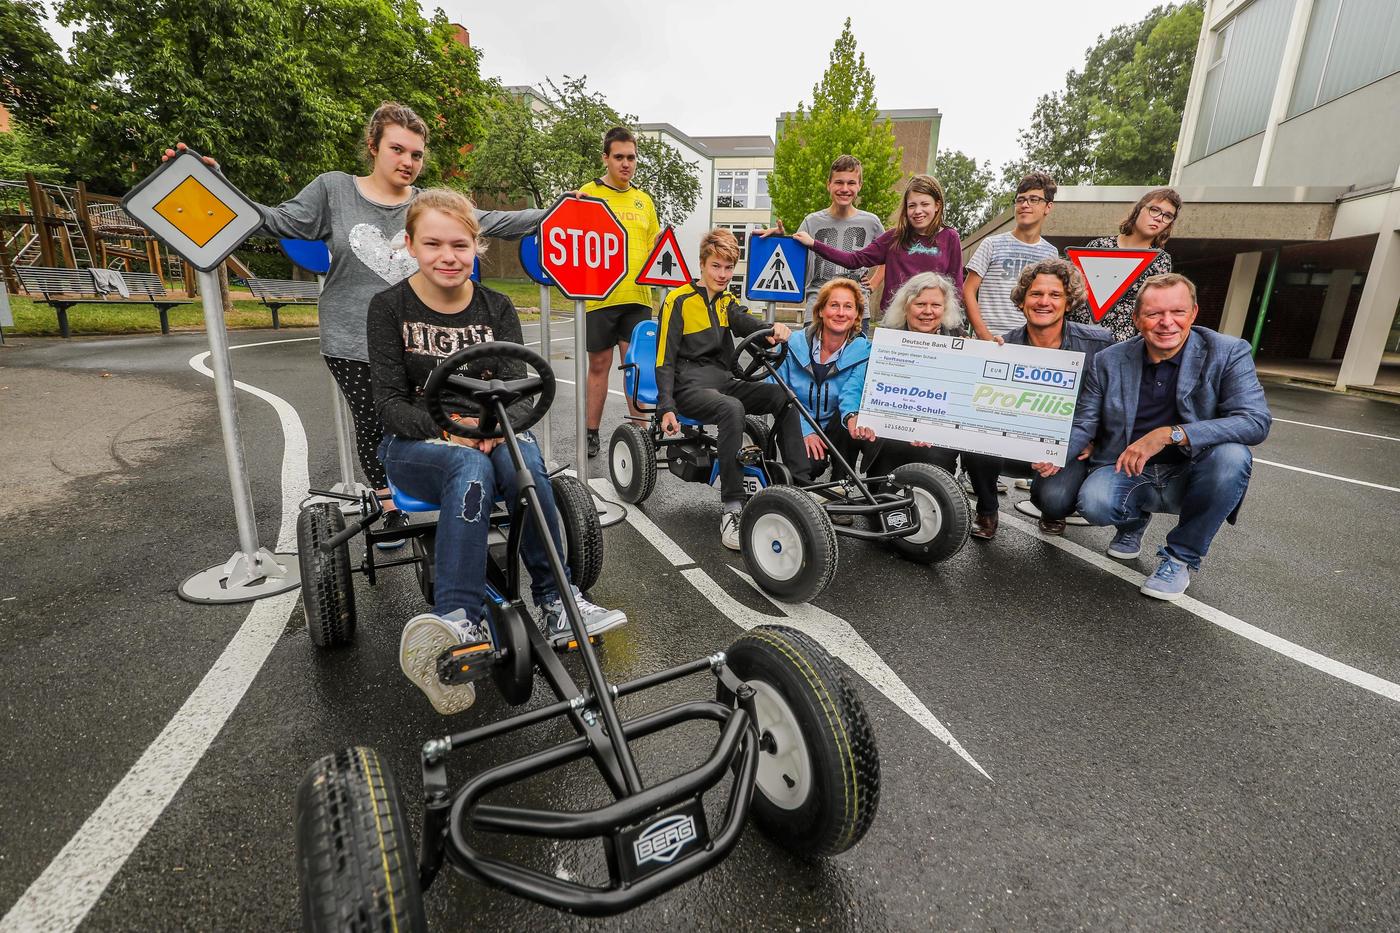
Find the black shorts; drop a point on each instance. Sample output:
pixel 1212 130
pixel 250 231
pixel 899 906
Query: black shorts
pixel 607 327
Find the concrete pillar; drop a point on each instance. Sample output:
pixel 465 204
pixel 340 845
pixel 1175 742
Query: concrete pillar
pixel 1241 290
pixel 1334 308
pixel 1374 317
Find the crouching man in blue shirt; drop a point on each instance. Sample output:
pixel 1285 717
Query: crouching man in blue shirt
pixel 1166 421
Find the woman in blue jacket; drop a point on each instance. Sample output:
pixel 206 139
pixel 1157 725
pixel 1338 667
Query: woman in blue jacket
pixel 825 367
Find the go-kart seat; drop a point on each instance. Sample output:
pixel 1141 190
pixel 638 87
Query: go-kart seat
pixel 409 504
pixel 639 370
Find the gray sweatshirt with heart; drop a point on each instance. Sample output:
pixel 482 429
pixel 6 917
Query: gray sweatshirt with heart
pixel 368 255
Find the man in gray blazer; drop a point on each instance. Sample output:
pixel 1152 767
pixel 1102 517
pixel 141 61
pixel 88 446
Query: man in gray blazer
pixel 1166 421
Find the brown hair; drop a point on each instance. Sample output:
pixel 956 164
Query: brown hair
pixel 390 114
pixel 618 134
pixel 919 184
pixel 1038 180
pixel 1062 269
pixel 1156 194
pixel 454 204
pixel 1164 280
pixel 721 243
pixel 824 295
pixel 846 163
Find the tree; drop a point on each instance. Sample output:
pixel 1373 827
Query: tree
pixel 968 188
pixel 843 118
pixel 539 152
pixel 20 152
pixel 31 66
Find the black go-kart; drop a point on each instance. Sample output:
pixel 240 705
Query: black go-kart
pixel 786 534
pixel 792 735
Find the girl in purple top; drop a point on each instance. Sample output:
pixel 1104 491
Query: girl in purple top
pixel 918 242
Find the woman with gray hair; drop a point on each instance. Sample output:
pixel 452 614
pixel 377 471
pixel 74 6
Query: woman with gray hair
pixel 928 303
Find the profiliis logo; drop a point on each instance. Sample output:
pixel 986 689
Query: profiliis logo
pixel 1025 402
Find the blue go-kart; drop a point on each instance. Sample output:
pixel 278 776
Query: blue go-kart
pixel 793 748
pixel 786 535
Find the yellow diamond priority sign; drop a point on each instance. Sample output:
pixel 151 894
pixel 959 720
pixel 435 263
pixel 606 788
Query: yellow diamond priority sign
pixel 194 209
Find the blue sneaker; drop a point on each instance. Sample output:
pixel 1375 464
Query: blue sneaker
pixel 1126 544
pixel 1169 582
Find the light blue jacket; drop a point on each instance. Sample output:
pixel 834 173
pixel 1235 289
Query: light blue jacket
pixel 1217 393
pixel 840 392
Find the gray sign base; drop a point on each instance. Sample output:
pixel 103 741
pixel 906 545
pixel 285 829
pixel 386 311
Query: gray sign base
pixel 241 579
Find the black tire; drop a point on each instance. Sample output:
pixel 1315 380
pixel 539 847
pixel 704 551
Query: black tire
pixel 788 543
pixel 583 533
pixel 515 673
pixel 355 856
pixel 944 517
pixel 632 462
pixel 327 591
pixel 425 570
pixel 818 782
pixel 756 433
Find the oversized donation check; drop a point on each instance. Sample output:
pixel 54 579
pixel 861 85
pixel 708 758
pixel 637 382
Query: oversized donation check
pixel 1008 401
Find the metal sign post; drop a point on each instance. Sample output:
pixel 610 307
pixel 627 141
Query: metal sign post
pixel 768 311
pixel 546 349
pixel 204 218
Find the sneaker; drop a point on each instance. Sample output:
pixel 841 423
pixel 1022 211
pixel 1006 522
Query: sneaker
pixel 1126 544
pixel 729 530
pixel 1023 484
pixel 1169 582
pixel 393 521
pixel 424 639
pixel 1001 488
pixel 594 444
pixel 596 619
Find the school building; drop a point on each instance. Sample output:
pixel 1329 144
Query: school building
pixel 1288 161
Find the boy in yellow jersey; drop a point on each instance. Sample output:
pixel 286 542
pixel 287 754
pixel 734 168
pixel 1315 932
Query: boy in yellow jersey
pixel 610 321
pixel 694 349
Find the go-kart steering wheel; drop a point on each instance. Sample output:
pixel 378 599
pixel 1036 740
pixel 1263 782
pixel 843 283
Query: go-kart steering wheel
pixel 485 392
pixel 760 352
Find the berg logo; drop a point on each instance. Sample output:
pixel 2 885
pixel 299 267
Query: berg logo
pixel 663 840
pixel 1025 402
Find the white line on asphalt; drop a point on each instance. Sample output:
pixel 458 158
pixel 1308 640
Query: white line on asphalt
pixel 62 895
pixel 1210 614
pixel 834 633
pixel 1340 479
pixel 1325 427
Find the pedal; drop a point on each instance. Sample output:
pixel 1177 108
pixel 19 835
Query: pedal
pixel 564 647
pixel 467 663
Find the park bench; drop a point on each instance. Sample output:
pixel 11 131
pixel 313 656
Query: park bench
pixel 277 293
pixel 63 288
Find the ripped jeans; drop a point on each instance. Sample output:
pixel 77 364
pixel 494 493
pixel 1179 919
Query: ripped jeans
pixel 466 483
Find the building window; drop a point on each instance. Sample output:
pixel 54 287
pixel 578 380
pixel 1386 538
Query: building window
pixel 1349 44
pixel 732 189
pixel 1245 54
pixel 761 199
pixel 741 233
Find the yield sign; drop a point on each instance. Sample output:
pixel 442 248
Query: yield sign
pixel 665 266
pixel 1108 273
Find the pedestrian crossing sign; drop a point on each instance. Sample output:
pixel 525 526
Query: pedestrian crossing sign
pixel 665 266
pixel 777 269
pixel 192 208
pixel 1109 273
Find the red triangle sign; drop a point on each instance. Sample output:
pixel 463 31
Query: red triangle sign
pixel 665 266
pixel 1108 273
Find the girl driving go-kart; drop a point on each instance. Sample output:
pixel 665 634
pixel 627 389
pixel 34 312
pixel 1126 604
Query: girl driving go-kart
pixel 412 327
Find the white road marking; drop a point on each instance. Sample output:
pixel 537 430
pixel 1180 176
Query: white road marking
pixel 1283 646
pixel 66 891
pixel 834 633
pixel 1340 479
pixel 1326 427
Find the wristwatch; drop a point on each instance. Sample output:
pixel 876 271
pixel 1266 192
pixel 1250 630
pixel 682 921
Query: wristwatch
pixel 1178 435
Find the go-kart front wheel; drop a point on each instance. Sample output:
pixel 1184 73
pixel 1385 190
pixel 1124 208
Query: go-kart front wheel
pixel 355 856
pixel 944 518
pixel 327 592
pixel 582 531
pixel 788 543
pixel 818 769
pixel 632 462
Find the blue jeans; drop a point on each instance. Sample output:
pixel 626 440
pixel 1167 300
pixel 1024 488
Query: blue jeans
pixel 466 483
pixel 1056 496
pixel 1203 492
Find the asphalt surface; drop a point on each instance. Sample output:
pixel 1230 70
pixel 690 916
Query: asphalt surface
pixel 1138 765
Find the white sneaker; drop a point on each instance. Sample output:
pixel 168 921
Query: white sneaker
pixel 729 530
pixel 596 619
pixel 1023 484
pixel 424 639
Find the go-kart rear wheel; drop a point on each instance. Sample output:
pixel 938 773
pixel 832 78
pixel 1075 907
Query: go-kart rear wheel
pixel 756 433
pixel 632 462
pixel 788 543
pixel 818 783
pixel 355 854
pixel 582 532
pixel 944 518
pixel 326 588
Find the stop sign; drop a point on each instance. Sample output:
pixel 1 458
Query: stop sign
pixel 583 247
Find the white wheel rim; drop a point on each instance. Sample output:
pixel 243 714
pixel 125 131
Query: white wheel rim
pixel 930 516
pixel 776 546
pixel 622 464
pixel 785 767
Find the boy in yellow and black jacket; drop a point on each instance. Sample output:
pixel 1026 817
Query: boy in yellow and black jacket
pixel 695 346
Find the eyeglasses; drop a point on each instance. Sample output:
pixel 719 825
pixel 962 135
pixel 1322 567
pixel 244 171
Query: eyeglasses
pixel 1158 214
pixel 1032 199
